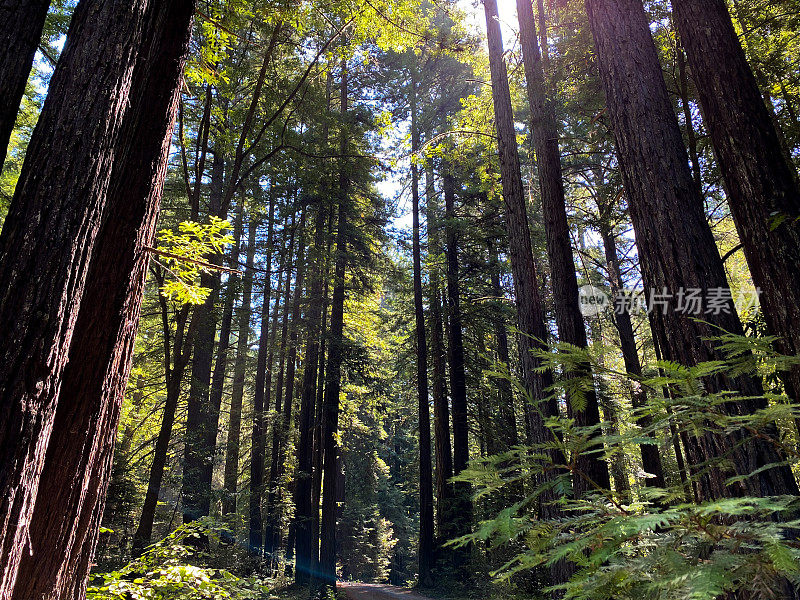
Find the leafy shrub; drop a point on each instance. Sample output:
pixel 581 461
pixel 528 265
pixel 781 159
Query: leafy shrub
pixel 172 570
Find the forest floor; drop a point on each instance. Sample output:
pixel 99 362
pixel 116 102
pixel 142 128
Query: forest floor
pixel 377 591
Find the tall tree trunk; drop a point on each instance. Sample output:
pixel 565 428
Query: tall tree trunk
pixel 610 407
pixel 223 346
pixel 760 178
pixel 545 47
pixel 663 200
pixel 279 424
pixel 291 386
pixel 174 374
pixel 306 487
pixel 305 446
pixel 530 313
pixel 441 406
pixel 425 551
pixel 23 21
pixel 176 358
pixel 678 437
pixel 260 398
pixel 592 470
pixel 202 417
pixel 310 461
pixel 651 460
pixel 763 79
pixel 232 449
pixel 462 521
pixel 333 370
pixel 47 241
pixel 505 396
pixel 691 137
pixel 319 415
pixel 66 518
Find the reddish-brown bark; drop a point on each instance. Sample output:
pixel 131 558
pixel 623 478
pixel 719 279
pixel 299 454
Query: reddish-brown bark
pixel 663 201
pixel 530 312
pixel 47 241
pixel 77 467
pixel 760 178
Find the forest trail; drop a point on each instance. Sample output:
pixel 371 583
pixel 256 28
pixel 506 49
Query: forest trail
pixel 377 591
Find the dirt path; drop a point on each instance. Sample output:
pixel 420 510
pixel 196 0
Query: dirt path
pixel 377 591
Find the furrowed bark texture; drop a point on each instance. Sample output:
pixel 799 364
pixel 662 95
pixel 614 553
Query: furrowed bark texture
pixel 46 245
pixel 760 179
pixel 663 200
pixel 77 468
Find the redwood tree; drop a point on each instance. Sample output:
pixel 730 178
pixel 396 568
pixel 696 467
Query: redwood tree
pixel 66 516
pixel 760 179
pixel 593 469
pixel 47 242
pixel 462 516
pixel 425 553
pixel 305 447
pixel 333 369
pixel 530 313
pixel 664 200
pixel 443 449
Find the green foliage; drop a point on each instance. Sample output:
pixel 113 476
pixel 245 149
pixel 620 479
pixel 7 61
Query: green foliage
pixel 185 254
pixel 657 545
pixel 166 571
